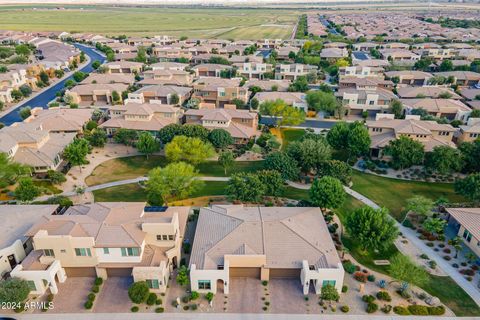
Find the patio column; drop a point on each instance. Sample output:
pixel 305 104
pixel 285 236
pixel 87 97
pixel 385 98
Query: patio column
pixel 62 276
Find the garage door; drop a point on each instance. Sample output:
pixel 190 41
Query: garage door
pixel 80 272
pixel 119 272
pixel 285 273
pixel 245 272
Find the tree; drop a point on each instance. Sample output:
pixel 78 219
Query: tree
pixel 254 104
pixel 372 229
pixel 299 85
pixel 174 99
pixel 434 225
pixel 192 150
pixel 403 269
pixel 14 290
pixel 16 94
pixel 469 187
pixel 10 171
pixel 182 276
pixel 322 101
pixel 246 187
pixel 116 99
pixel 79 76
pixel 283 163
pixel 444 160
pixel 446 65
pixel 55 177
pixel 358 140
pixel 195 131
pixel 26 90
pixel 337 136
pixel 138 292
pixel 273 182
pixel 25 112
pixel 329 293
pixel 336 169
pixel 76 152
pixel 172 182
pixel 22 50
pixel 456 243
pixel 59 73
pixel 405 152
pixel 396 107
pixel 226 160
pixel 96 64
pixel 309 153
pixel 44 78
pixel 420 205
pixel 470 154
pixel 220 138
pixel 288 115
pixel 327 192
pixel 125 136
pixel 167 133
pixel 26 190
pixel 147 144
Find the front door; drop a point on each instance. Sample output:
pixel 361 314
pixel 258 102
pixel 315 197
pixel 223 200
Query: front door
pixel 12 261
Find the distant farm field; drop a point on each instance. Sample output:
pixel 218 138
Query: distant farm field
pixel 197 22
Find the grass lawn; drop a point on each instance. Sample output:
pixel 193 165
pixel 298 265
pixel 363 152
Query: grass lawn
pixel 225 23
pixel 393 193
pixel 290 135
pixel 136 166
pixel 47 186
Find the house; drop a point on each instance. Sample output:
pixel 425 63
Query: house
pixel 264 243
pixel 166 77
pixel 60 120
pixel 462 78
pixel 210 69
pixel 448 108
pixel 96 94
pixel 409 77
pixel 429 133
pixel 125 67
pixel 171 53
pixel 57 55
pixel 253 70
pixel 364 46
pixel 372 100
pixel 293 71
pixel 283 53
pixel 149 117
pixel 268 85
pixel 332 54
pixel 16 221
pixel 162 93
pixel 400 56
pixel 436 53
pixel 169 66
pixel 469 132
pixel 426 92
pixel 219 91
pixel 241 124
pixel 31 145
pixel 466 221
pixel 108 78
pixel 361 72
pixel 105 239
pixel 296 99
pixel 364 83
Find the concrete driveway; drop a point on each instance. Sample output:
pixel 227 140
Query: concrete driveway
pixel 113 296
pixel 72 294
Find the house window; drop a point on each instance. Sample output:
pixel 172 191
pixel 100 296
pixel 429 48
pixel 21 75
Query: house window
pixel 106 251
pixel 31 285
pixel 153 283
pixel 83 252
pixel 328 282
pixel 63 251
pixel 473 135
pixel 377 129
pixel 171 237
pixel 159 237
pixel 204 284
pixel 467 235
pixel 128 252
pixel 48 252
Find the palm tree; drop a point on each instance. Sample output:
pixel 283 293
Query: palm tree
pixel 456 243
pixel 10 171
pixel 470 256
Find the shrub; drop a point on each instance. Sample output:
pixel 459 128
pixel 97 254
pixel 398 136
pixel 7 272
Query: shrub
pixel 344 288
pixel 138 292
pixel 401 311
pixel 152 298
pixel 407 223
pixel 209 296
pixel 88 305
pixel 384 295
pixel 372 307
pixel 194 295
pixel 360 276
pixel 98 281
pixel 95 289
pixel 448 258
pixel 50 297
pixel 134 309
pixel 418 310
pixel 264 283
pixel 368 298
pixel 447 250
pixel 91 297
pixel 344 309
pixel 430 244
pixel 159 310
pixel 186 299
pixel 436 311
pixel 404 294
pixel 158 302
pixel 424 256
pixel 193 306
pixel 455 265
pixel 386 308
pixel 349 267
pixel 433 264
pixel 371 277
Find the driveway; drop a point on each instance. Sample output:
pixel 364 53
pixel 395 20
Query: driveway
pixel 72 294
pixel 113 296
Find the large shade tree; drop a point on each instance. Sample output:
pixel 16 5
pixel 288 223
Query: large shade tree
pixel 147 144
pixel 309 153
pixel 246 187
pixel 327 192
pixel 191 150
pixel 76 152
pixel 283 163
pixel 405 152
pixel 469 187
pixel 14 290
pixel 286 115
pixel 444 160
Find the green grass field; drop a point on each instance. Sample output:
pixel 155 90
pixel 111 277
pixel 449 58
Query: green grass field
pixel 197 22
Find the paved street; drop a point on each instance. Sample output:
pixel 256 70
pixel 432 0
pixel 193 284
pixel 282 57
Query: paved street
pixel 42 99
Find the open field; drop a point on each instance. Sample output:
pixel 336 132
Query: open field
pixel 204 23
